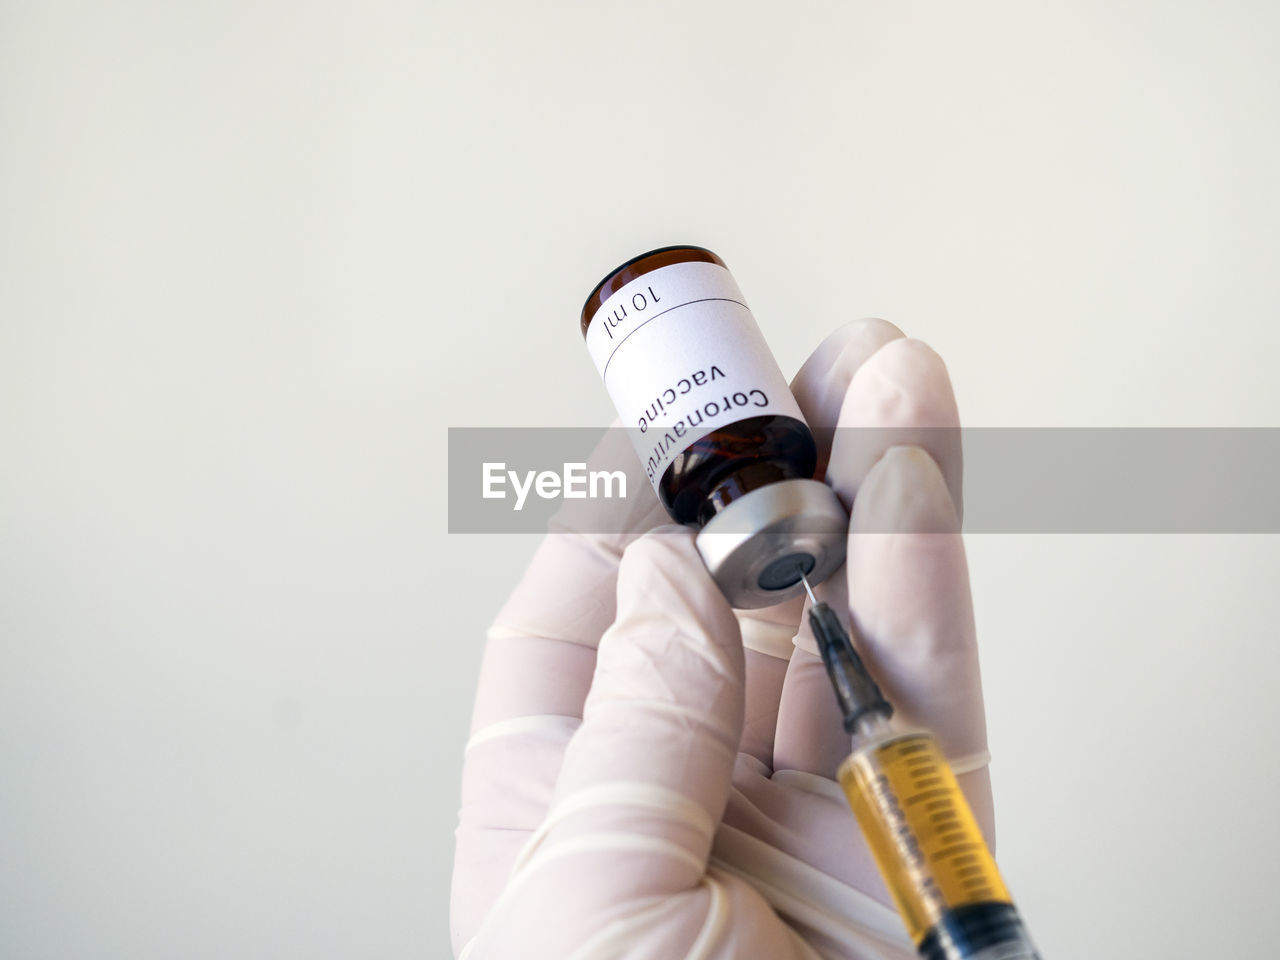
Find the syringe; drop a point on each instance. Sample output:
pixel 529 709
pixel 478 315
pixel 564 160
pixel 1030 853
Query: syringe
pixel 916 821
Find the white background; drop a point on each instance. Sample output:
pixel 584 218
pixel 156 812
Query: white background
pixel 256 257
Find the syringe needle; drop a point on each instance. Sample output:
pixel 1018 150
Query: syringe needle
pixel 856 693
pixel 808 589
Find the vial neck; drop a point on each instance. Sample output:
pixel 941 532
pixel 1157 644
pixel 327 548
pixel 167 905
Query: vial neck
pixel 738 484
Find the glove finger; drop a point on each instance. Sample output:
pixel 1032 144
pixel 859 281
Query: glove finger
pixel 902 390
pixel 909 598
pixel 768 633
pixel 900 396
pixel 908 584
pixel 907 577
pixel 823 381
pixel 912 618
pixel 666 702
pixel 646 776
pixel 917 580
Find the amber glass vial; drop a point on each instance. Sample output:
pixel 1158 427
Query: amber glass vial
pixel 713 421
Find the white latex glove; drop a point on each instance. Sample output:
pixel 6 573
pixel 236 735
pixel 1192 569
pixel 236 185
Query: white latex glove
pixel 650 773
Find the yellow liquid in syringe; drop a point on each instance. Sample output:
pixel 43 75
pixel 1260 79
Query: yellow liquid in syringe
pixel 920 830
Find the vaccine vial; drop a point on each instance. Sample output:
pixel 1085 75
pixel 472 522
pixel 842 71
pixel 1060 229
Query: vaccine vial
pixel 714 423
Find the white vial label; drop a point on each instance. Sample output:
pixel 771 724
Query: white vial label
pixel 681 356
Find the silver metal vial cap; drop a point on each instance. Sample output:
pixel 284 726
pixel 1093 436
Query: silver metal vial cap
pixel 757 546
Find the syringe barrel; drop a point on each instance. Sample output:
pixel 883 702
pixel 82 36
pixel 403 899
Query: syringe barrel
pixel 930 850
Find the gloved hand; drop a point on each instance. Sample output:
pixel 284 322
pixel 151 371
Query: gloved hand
pixel 650 773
